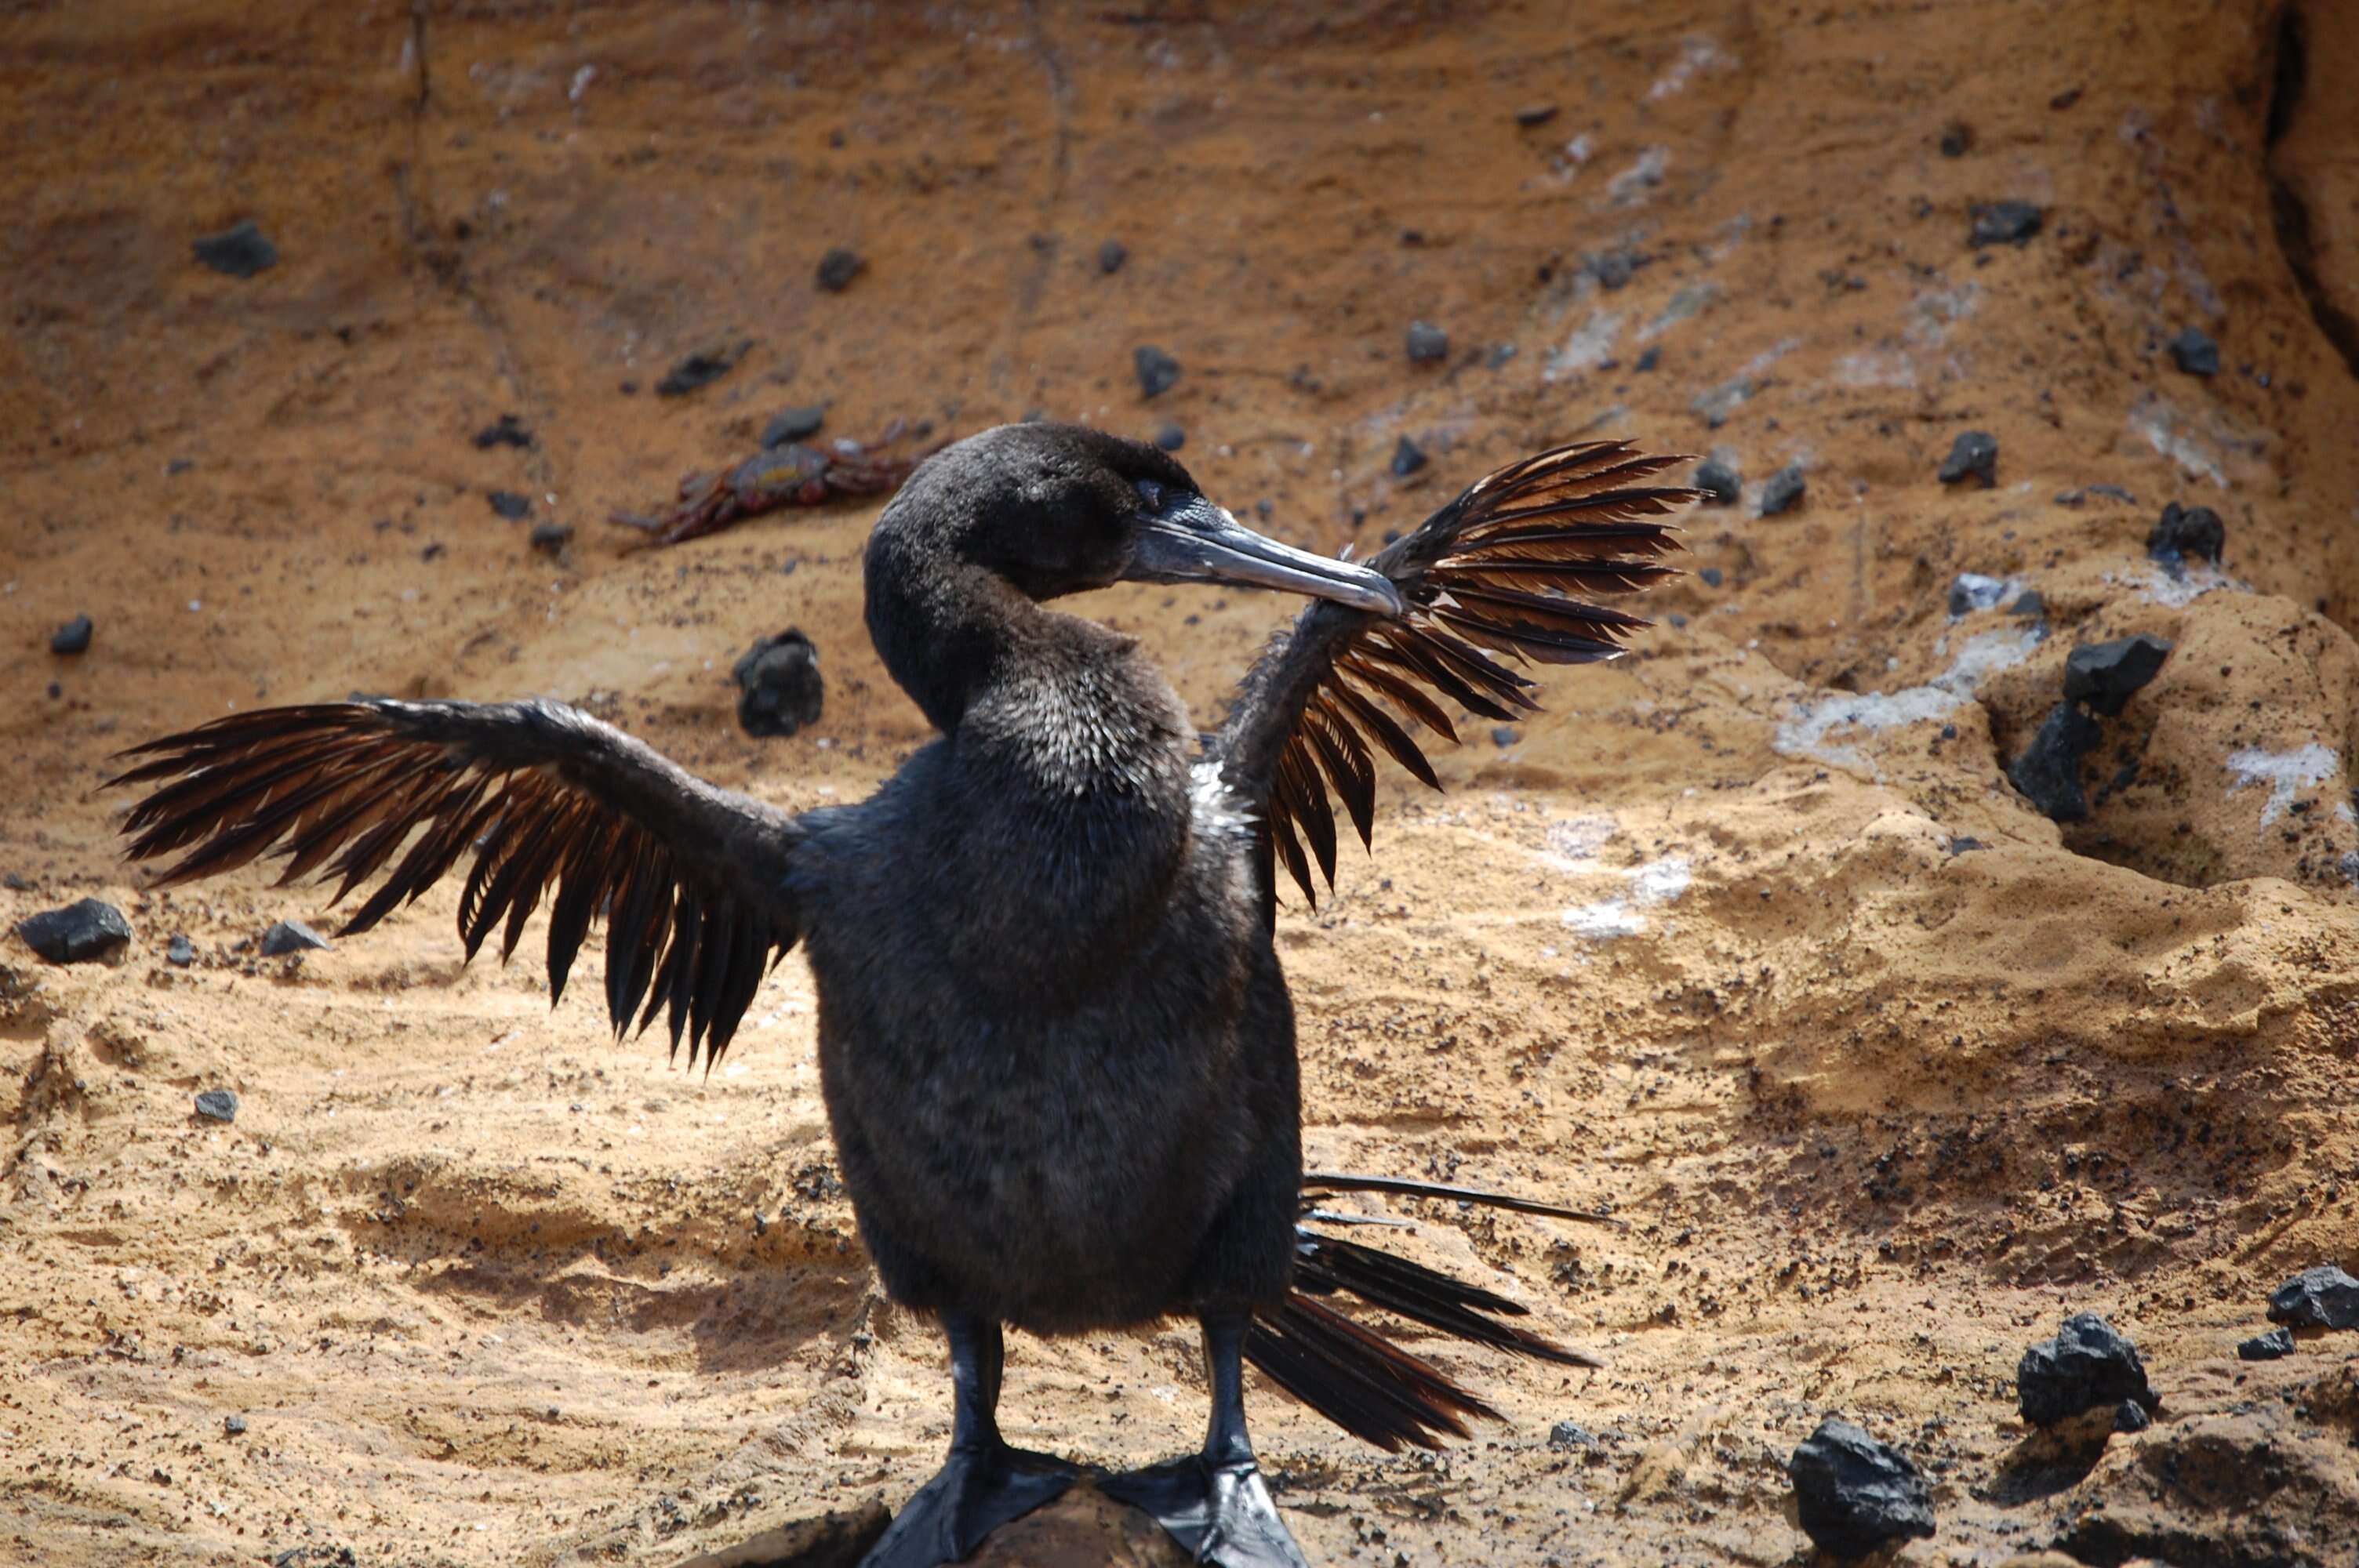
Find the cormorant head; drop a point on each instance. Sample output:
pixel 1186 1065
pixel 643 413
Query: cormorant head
pixel 1059 509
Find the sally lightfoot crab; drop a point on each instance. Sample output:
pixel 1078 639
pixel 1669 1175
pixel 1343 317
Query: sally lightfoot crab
pixel 773 478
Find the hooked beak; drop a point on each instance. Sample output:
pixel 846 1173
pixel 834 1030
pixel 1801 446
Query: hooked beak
pixel 1195 541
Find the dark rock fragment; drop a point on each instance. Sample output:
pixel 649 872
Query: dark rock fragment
pixel 290 936
pixel 509 505
pixel 1974 455
pixel 2113 492
pixel 1428 344
pixel 1648 359
pixel 2105 675
pixel 2194 353
pixel 779 685
pixel 703 368
pixel 508 431
pixel 1720 483
pixel 550 538
pixel 2131 1416
pixel 1784 488
pixel 793 424
pixel 1534 114
pixel 1710 576
pixel 1957 139
pixel 1503 736
pixel 839 268
pixel 73 637
pixel 218 1105
pixel 1170 438
pixel 242 250
pixel 2004 224
pixel 1614 269
pixel 2323 1297
pixel 1157 372
pixel 78 933
pixel 180 951
pixel 1854 1494
pixel 234 1425
pixel 1111 255
pixel 2087 1366
pixel 2185 531
pixel 2049 772
pixel 2276 1344
pixel 1567 1435
pixel 2030 605
pixel 1408 457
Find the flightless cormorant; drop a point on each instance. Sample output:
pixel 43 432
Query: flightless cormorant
pixel 1056 1048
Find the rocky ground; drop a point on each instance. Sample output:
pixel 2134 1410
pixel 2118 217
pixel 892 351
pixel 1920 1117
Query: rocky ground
pixel 1766 937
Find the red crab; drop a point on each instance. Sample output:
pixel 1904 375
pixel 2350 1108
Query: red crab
pixel 776 477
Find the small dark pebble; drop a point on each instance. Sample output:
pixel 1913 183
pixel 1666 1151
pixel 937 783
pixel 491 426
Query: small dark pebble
pixel 1648 359
pixel 628 388
pixel 2087 1366
pixel 177 467
pixel 1974 455
pixel 703 368
pixel 2323 1297
pixel 1170 438
pixel 234 1425
pixel 78 933
pixel 73 637
pixel 432 551
pixel 2105 675
pixel 2049 772
pixel 56 690
pixel 1957 139
pixel 1111 255
pixel 550 538
pixel 509 431
pixel 1567 1435
pixel 1614 269
pixel 218 1105
pixel 2113 492
pixel 1408 457
pixel 1264 507
pixel 1498 356
pixel 1961 845
pixel 1853 1494
pixel 2276 1344
pixel 793 424
pixel 290 936
pixel 1710 576
pixel 1157 372
pixel 1720 483
pixel 2004 224
pixel 2184 531
pixel 180 951
pixel 1428 344
pixel 509 505
pixel 839 268
pixel 1784 488
pixel 779 687
pixel 2030 605
pixel 241 250
pixel 2131 1416
pixel 1532 114
pixel 1972 592
pixel 2194 353
pixel 1503 736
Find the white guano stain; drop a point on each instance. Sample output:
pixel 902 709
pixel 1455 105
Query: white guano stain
pixel 2286 772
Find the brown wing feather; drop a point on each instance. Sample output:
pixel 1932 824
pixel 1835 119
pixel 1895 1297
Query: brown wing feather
pixel 1491 573
pixel 551 804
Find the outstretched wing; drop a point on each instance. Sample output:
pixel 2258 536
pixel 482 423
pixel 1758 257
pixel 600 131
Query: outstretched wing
pixel 690 879
pixel 1499 570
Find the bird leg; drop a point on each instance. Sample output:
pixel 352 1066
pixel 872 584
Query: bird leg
pixel 984 1483
pixel 1214 1503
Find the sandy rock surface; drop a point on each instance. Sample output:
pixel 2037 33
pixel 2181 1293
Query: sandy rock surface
pixel 1750 938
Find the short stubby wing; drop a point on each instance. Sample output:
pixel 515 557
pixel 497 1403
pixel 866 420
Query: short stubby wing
pixel 543 801
pixel 1501 570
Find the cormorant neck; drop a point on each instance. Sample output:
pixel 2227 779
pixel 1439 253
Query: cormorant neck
pixel 946 631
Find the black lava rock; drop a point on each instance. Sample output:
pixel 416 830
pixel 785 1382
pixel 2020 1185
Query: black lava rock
pixel 180 951
pixel 2030 605
pixel 2086 1365
pixel 1719 482
pixel 703 368
pixel 1534 114
pixel 509 431
pixel 793 424
pixel 2184 531
pixel 1784 488
pixel 1648 361
pixel 1111 255
pixel 1408 457
pixel 2131 1416
pixel 2276 1344
pixel 779 685
pixel 1567 1435
pixel 1612 269
pixel 78 933
pixel 2004 224
pixel 839 268
pixel 550 538
pixel 1854 1494
pixel 2049 772
pixel 73 637
pixel 1974 455
pixel 1170 438
pixel 509 505
pixel 1428 344
pixel 234 1425
pixel 1159 373
pixel 2323 1297
pixel 2103 675
pixel 218 1105
pixel 1957 139
pixel 2194 353
pixel 290 936
pixel 241 250
pixel 1711 576
pixel 1503 736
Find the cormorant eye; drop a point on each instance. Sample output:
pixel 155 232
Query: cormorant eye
pixel 1152 492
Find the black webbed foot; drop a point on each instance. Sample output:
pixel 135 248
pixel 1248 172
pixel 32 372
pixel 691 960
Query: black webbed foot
pixel 978 1489
pixel 1221 1513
